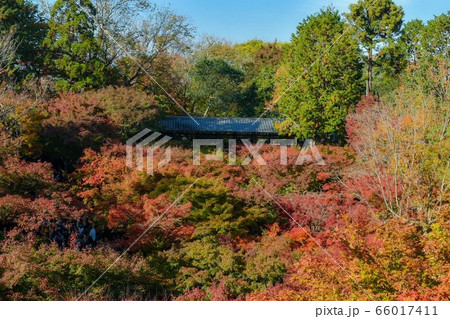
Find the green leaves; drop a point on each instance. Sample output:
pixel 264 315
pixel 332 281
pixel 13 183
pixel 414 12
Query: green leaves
pixel 73 50
pixel 325 79
pixel 22 20
pixel 376 20
pixel 437 34
pixel 215 87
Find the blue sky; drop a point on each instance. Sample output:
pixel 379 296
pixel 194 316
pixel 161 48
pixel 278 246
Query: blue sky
pixel 241 20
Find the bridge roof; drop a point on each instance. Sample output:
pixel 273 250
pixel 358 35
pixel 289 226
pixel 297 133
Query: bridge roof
pixel 229 125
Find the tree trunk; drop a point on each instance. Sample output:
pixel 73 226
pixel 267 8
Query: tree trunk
pixel 369 72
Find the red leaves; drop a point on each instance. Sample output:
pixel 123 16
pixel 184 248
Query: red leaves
pixel 29 179
pixel 353 123
pixel 226 238
pixel 155 217
pixel 298 235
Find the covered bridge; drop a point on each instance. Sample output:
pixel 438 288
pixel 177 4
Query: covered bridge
pixel 218 127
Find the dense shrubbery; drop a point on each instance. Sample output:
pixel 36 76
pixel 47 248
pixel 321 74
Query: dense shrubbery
pixel 48 273
pixel 75 122
pixel 225 239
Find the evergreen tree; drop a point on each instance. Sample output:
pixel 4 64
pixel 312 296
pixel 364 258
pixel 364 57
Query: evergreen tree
pixel 22 19
pixel 437 35
pixel 316 94
pixel 215 88
pixel 376 21
pixel 412 39
pixel 73 50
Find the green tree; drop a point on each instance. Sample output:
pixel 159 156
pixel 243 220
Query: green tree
pixel 412 38
pixel 437 35
pixel 73 51
pixel 432 61
pixel 376 23
pixel 260 76
pixel 258 62
pixel 316 94
pixel 22 18
pixel 215 87
pixel 391 61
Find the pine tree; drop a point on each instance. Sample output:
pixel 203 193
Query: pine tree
pixel 73 51
pixel 376 21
